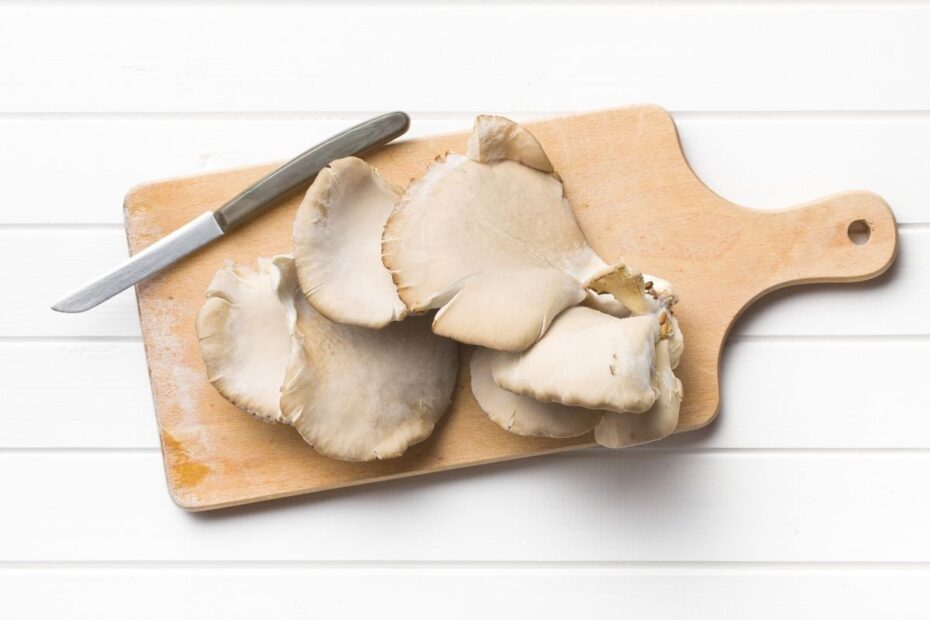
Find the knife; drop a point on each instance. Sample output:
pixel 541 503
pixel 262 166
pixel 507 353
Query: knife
pixel 214 224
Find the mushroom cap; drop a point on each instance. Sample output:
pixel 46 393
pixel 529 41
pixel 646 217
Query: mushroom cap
pixel 359 394
pixel 535 296
pixel 624 284
pixel 245 333
pixel 586 359
pixel 621 430
pixel 523 415
pixel 495 137
pixel 337 245
pixel 352 392
pixel 465 218
pixel 676 342
pixel 659 296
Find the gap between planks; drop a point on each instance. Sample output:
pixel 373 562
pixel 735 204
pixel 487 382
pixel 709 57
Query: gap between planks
pixel 665 4
pixel 434 115
pixel 668 566
pixel 79 227
pixel 644 567
pixel 641 451
pixel 733 338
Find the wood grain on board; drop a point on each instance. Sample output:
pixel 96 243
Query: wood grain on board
pixel 635 197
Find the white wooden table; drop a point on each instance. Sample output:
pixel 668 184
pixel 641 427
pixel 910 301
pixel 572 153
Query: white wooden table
pixel 807 498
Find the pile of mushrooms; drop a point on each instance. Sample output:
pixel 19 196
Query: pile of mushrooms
pixel 353 339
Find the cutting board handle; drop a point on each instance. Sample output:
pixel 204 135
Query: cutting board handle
pixel 846 237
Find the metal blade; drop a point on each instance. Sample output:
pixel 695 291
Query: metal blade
pixel 193 235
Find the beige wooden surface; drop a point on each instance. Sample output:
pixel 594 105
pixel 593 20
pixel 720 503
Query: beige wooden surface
pixel 635 198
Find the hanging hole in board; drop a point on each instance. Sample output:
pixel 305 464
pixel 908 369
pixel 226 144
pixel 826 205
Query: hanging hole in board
pixel 859 232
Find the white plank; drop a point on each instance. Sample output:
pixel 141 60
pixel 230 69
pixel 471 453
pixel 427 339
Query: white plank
pixel 589 506
pixel 896 302
pixel 860 393
pixel 95 162
pixel 777 161
pixel 31 261
pixel 565 57
pixel 769 593
pixel 782 394
pixel 75 394
pixel 42 265
pixel 458 3
pixel 763 161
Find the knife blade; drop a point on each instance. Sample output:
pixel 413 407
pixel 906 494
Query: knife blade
pixel 214 224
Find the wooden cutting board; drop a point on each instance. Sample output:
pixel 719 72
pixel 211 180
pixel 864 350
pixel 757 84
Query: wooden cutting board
pixel 635 197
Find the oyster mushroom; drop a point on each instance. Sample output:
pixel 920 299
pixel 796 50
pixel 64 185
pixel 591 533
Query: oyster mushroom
pixel 523 415
pixel 359 394
pixel 614 281
pixel 495 138
pixel 245 333
pixel 490 240
pixel 587 359
pixel 624 284
pixel 559 385
pixel 352 392
pixel 676 342
pixel 621 430
pixel 337 245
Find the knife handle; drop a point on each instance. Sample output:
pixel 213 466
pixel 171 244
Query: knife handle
pixel 303 168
